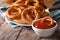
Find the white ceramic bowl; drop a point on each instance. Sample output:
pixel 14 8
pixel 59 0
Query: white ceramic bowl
pixel 44 32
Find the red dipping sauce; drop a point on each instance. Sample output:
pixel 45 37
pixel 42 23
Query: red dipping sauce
pixel 43 25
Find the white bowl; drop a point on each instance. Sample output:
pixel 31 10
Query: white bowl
pixel 44 32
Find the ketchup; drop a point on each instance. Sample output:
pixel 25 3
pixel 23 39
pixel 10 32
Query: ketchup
pixel 43 25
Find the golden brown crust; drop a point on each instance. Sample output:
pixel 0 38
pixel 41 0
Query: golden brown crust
pixel 13 13
pixel 39 9
pixel 49 18
pixel 20 21
pixel 26 11
pixel 19 2
pixel 31 2
pixel 9 1
pixel 30 13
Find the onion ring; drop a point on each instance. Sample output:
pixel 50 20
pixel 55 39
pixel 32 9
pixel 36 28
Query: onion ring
pixel 20 21
pixel 30 14
pixel 10 1
pixel 39 9
pixel 31 2
pixel 50 19
pixel 44 14
pixel 22 7
pixel 19 2
pixel 13 13
pixel 42 3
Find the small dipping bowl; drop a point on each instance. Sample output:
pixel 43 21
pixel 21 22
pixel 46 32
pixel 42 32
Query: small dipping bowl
pixel 44 32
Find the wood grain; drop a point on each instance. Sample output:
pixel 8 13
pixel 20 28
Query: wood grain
pixel 28 35
pixel 1 20
pixel 8 33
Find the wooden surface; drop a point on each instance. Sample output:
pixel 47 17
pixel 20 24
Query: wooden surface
pixel 19 33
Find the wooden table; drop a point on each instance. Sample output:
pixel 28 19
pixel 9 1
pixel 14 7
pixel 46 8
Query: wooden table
pixel 19 33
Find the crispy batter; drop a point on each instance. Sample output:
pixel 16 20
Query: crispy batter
pixel 39 9
pixel 42 3
pixel 31 2
pixel 22 7
pixel 20 21
pixel 26 11
pixel 9 1
pixel 30 14
pixel 44 14
pixel 50 19
pixel 13 13
pixel 19 2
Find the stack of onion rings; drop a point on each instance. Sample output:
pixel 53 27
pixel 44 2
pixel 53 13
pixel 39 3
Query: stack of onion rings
pixel 28 15
pixel 26 11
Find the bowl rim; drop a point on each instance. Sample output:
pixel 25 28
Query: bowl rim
pixel 44 29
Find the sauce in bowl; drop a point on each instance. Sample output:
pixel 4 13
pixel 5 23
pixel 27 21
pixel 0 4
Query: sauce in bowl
pixel 44 24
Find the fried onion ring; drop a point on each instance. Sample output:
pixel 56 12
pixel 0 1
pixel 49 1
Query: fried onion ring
pixel 10 1
pixel 30 14
pixel 42 3
pixel 20 21
pixel 44 14
pixel 13 13
pixel 19 2
pixel 50 19
pixel 31 2
pixel 39 9
pixel 22 7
